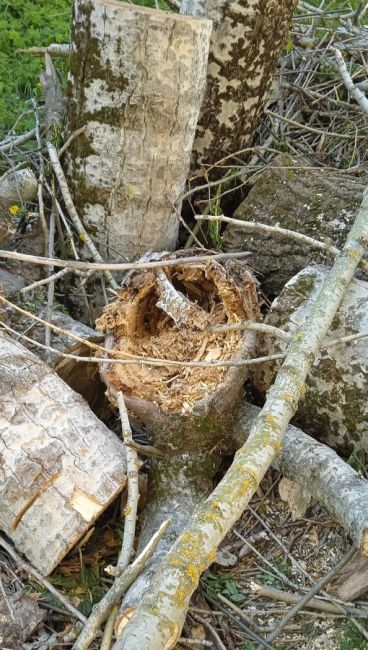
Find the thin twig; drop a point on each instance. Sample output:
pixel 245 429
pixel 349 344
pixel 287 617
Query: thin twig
pixel 73 212
pixel 274 230
pixel 348 82
pixel 131 507
pixel 109 629
pixel 144 361
pixel 72 137
pixel 16 141
pixel 266 591
pixel 312 592
pixel 54 49
pixel 28 568
pixel 41 283
pixel 101 610
pixel 41 178
pixel 248 325
pixel 311 129
pixel 118 266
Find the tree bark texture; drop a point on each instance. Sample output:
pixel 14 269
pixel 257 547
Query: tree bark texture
pixel 60 466
pixel 137 79
pixel 159 619
pixel 336 485
pixel 334 407
pixel 246 40
pixel 176 486
pixel 291 194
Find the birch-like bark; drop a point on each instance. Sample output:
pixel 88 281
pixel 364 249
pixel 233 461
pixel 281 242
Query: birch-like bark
pixel 60 466
pixel 137 79
pixel 245 46
pixel 158 621
pixel 326 476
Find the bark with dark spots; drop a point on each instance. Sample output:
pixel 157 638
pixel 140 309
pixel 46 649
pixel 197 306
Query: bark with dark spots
pixel 246 41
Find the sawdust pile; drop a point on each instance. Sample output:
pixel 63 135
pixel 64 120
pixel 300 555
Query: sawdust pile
pixel 165 314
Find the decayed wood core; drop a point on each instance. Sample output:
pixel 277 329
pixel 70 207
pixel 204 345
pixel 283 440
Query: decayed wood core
pixel 144 320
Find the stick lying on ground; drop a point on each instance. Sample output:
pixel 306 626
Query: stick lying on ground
pixel 336 485
pixel 160 617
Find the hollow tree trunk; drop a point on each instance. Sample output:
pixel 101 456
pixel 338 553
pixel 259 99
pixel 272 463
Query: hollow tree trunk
pixel 60 466
pixel 245 46
pixel 137 79
pixel 186 409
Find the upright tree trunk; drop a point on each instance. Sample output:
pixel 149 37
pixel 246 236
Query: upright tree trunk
pixel 137 79
pixel 245 45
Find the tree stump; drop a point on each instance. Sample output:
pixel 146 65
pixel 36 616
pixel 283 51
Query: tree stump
pixel 137 79
pixel 187 410
pixel 246 41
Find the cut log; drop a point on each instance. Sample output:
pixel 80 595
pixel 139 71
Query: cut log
pixel 246 41
pixel 320 204
pixel 334 407
pixel 321 472
pixel 137 79
pixel 60 466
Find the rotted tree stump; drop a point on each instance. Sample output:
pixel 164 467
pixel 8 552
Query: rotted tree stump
pixel 186 408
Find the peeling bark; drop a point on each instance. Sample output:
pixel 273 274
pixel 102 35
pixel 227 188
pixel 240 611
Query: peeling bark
pixel 60 467
pixel 137 79
pixel 246 40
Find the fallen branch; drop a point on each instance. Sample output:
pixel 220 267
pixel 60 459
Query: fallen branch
pixel 354 91
pixel 101 611
pixel 161 614
pixel 326 476
pixel 54 158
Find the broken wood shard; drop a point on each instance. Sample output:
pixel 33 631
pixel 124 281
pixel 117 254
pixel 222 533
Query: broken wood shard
pixel 60 467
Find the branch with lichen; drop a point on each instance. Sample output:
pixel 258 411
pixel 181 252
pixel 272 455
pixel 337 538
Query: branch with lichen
pixel 159 619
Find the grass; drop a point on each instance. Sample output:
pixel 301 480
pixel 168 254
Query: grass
pixel 26 23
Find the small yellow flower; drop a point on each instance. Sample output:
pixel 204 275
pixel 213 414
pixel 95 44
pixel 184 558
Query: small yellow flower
pixel 82 237
pixel 14 209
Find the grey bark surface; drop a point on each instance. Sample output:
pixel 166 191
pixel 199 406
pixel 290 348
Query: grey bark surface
pixel 60 466
pixel 330 480
pixel 245 46
pixel 320 204
pixel 137 81
pixel 335 404
pixel 176 486
pixel 17 186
